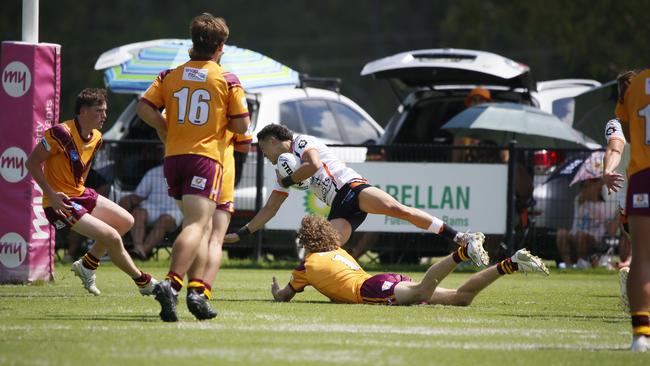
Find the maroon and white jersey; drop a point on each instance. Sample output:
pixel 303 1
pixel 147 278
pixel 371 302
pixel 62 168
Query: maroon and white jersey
pixel 330 177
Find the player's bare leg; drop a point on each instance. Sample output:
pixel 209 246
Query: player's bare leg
pixel 343 227
pixel 375 201
pixel 638 284
pixel 106 225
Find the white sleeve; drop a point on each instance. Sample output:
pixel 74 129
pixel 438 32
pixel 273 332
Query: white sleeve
pixel 303 143
pixel 277 187
pixel 613 130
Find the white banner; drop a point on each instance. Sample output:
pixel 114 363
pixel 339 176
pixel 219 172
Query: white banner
pixel 465 196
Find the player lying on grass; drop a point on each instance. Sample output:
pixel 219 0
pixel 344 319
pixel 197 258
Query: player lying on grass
pixel 335 274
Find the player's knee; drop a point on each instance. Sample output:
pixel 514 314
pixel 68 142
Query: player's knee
pixel 463 300
pixel 112 237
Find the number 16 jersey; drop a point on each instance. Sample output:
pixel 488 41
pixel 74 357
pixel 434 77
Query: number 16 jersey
pixel 200 98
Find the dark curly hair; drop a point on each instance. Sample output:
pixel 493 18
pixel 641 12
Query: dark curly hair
pixel 90 97
pixel 280 132
pixel 316 234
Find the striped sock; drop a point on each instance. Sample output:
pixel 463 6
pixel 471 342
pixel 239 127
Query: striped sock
pixel 196 284
pixel 507 266
pixel 143 280
pixel 89 261
pixel 460 255
pixel 175 280
pixel 207 291
pixel 641 323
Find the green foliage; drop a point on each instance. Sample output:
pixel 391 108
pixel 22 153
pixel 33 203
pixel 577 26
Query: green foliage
pixel 564 319
pixel 558 39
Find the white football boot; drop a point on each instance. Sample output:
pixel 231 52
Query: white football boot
pixel 87 277
pixel 474 244
pixel 527 262
pixel 148 289
pixel 640 343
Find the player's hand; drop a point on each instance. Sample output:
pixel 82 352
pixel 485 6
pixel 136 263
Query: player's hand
pixel 613 181
pixel 231 238
pixel 61 204
pixel 275 288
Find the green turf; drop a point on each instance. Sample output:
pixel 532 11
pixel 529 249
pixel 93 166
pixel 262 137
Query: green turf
pixel 569 318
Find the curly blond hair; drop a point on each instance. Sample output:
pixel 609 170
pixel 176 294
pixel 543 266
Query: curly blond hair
pixel 316 234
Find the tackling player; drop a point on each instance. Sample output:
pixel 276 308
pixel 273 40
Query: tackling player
pixel 633 111
pixel 202 101
pixel 67 151
pixel 335 274
pixel 348 194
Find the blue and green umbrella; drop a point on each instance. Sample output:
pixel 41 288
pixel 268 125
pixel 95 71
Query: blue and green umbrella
pixel 132 68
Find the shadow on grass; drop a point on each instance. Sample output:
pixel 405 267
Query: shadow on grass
pixel 117 317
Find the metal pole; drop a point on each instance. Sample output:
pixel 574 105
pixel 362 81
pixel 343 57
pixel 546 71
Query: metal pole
pixel 512 164
pixel 30 21
pixel 259 200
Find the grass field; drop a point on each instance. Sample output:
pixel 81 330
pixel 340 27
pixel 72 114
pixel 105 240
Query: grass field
pixel 565 319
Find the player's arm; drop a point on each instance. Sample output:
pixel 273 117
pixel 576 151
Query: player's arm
pixel 281 295
pixel 615 145
pixel 153 118
pixel 33 165
pixel 311 164
pixel 239 125
pixel 267 212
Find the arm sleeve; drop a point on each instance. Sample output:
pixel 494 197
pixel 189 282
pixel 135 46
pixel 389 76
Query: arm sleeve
pixel 50 144
pixel 153 95
pixel 239 139
pixel 303 143
pixel 298 280
pixel 237 106
pixel 613 130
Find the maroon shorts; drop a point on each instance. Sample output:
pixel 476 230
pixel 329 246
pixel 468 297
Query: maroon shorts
pixel 380 289
pixel 637 201
pixel 80 206
pixel 193 174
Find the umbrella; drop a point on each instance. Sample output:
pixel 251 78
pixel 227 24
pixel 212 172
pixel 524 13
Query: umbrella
pixel 132 68
pixel 503 122
pixel 593 109
pixel 582 166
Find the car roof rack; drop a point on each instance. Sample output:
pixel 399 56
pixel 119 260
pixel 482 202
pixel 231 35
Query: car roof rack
pixel 329 83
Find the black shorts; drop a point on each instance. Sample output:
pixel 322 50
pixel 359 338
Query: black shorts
pixel 346 205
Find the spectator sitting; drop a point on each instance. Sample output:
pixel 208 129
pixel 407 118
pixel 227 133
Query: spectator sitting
pixel 591 221
pixel 152 208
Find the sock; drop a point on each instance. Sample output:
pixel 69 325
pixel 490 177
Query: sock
pixel 641 323
pixel 207 291
pixel 436 225
pixel 175 279
pixel 460 255
pixel 196 284
pixel 507 266
pixel 448 232
pixel 89 261
pixel 143 280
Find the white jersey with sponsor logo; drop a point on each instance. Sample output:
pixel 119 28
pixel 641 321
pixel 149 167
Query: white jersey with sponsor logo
pixel 330 177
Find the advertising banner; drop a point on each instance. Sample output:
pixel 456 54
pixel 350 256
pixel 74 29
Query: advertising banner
pixel 466 196
pixel 29 105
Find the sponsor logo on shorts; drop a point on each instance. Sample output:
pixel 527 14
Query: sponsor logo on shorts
pixel 386 285
pixel 199 182
pixel 76 206
pixel 640 200
pixel 74 155
pixel 193 74
pixel 58 224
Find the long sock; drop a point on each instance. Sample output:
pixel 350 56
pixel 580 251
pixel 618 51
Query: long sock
pixel 460 255
pixel 175 280
pixel 196 284
pixel 507 266
pixel 641 323
pixel 207 291
pixel 89 261
pixel 143 280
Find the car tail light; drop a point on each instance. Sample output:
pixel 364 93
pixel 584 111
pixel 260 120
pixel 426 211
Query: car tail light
pixel 547 160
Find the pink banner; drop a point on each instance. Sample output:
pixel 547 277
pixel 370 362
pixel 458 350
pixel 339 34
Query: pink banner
pixel 29 105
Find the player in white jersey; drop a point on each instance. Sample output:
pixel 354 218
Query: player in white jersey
pixel 348 194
